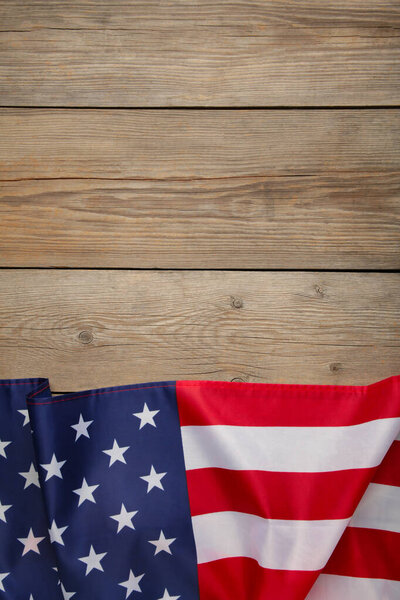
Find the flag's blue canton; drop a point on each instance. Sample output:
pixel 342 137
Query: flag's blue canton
pixel 114 482
pixel 27 559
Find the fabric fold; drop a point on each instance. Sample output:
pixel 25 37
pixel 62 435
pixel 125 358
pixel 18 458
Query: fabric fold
pixel 287 466
pixel 203 490
pixel 113 478
pixel 28 566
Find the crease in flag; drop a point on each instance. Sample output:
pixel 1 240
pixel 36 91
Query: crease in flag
pixel 200 490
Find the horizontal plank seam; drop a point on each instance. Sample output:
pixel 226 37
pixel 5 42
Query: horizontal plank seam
pixel 361 26
pixel 271 270
pixel 127 178
pixel 357 172
pixel 393 106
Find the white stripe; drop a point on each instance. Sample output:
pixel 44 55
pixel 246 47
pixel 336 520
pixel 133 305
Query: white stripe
pixel 379 508
pixel 338 587
pixel 295 449
pixel 273 543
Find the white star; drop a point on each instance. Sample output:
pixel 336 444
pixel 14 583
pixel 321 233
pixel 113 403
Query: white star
pixel 162 544
pixel 146 416
pixel 92 560
pixel 31 477
pixel 2 446
pixel 85 492
pixel 30 543
pixel 56 533
pixel 3 508
pixel 166 596
pixel 81 427
pixel 25 414
pixel 132 583
pixel 54 467
pixel 67 595
pixel 116 453
pixel 124 518
pixel 2 576
pixel 153 479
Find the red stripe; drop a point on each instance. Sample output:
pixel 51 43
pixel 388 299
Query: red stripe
pixel 366 553
pixel 243 579
pixel 275 495
pixel 388 471
pixel 246 404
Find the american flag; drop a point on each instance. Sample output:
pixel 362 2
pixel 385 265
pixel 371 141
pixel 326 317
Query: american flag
pixel 200 490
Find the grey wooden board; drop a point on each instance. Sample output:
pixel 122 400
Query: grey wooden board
pixel 85 329
pixel 196 144
pixel 343 221
pixel 197 53
pixel 200 189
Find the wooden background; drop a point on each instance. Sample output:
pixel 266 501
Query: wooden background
pixel 196 190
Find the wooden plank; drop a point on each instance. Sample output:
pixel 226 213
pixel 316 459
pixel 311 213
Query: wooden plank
pixel 200 189
pixel 344 221
pixel 197 53
pixel 86 329
pixel 195 144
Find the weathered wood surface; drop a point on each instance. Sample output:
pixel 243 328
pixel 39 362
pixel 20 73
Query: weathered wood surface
pixel 200 189
pixel 348 221
pixel 197 53
pixel 104 189
pixel 89 329
pixel 195 144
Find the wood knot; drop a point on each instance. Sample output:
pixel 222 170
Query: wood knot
pixel 85 337
pixel 236 302
pixel 319 290
pixel 335 367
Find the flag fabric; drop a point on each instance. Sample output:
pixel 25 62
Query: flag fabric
pixel 27 561
pixel 200 490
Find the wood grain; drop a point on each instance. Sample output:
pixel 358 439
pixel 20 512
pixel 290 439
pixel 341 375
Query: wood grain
pixel 200 189
pixel 89 329
pixel 343 221
pixel 96 176
pixel 197 53
pixel 195 144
